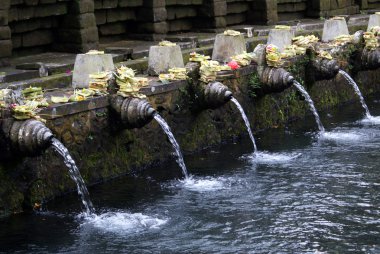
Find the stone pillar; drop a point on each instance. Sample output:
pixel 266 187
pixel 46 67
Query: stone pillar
pixel 78 31
pixel 5 34
pixel 212 14
pixel 263 12
pixel 363 4
pixel 152 18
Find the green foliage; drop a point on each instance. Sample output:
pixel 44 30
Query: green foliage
pixel 254 85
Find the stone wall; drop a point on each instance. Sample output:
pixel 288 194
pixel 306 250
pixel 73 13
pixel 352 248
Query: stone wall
pixel 75 25
pixel 291 9
pixel 93 135
pixel 182 15
pixel 237 11
pixel 329 8
pixel 112 16
pixel 5 33
pixel 33 23
pixel 42 25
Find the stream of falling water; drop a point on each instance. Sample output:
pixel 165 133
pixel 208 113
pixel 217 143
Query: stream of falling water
pixel 74 174
pixel 174 143
pixel 311 105
pixel 357 91
pixel 245 118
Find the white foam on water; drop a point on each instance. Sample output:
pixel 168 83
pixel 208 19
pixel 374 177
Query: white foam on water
pixel 263 157
pixel 343 136
pixel 202 185
pixel 371 120
pixel 122 222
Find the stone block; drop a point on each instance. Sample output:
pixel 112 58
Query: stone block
pixel 152 14
pixel 49 10
pixel 37 38
pixel 334 28
pixel 158 28
pixel 3 17
pixel 227 46
pixel 79 36
pixel 5 33
pixel 162 58
pixel 108 4
pixel 113 28
pixel 88 64
pixel 81 6
pixel 5 4
pixel 86 20
pixel 154 3
pixel 374 20
pixel 280 38
pixel 120 14
pixel 5 48
pixel 130 3
pixel 31 2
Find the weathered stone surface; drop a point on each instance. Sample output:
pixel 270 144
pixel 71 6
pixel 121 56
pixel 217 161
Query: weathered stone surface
pixel 280 38
pixel 5 48
pixel 227 46
pixel 88 64
pixel 374 20
pixel 334 28
pixel 162 58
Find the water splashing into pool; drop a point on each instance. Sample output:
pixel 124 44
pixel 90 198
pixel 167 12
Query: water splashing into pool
pixel 357 91
pixel 74 174
pixel 245 118
pixel 174 143
pixel 311 105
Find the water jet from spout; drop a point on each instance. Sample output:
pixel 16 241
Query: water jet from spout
pixel 165 127
pixel 311 105
pixel 357 91
pixel 246 121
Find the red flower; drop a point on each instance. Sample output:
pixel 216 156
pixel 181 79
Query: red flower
pixel 234 65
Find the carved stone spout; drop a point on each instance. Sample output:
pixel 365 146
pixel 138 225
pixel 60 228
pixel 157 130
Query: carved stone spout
pixel 276 79
pixel 217 94
pixel 29 137
pixel 133 112
pixel 325 69
pixel 370 59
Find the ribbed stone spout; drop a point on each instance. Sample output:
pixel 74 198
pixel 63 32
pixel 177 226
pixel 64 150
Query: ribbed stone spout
pixel 133 112
pixel 217 94
pixel 30 136
pixel 276 78
pixel 371 59
pixel 325 69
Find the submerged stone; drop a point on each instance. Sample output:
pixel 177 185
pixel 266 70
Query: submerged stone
pixel 86 64
pixel 333 28
pixel 163 58
pixel 226 46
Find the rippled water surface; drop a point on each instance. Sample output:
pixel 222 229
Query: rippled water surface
pixel 301 193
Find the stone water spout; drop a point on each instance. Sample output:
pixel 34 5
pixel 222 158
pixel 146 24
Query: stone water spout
pixel 370 59
pixel 217 94
pixel 133 112
pixel 276 79
pixel 325 68
pixel 29 137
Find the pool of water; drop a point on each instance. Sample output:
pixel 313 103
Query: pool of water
pixel 302 192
